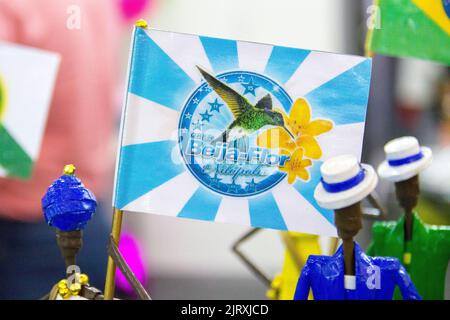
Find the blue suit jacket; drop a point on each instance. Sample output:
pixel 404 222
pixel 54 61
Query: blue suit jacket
pixel 376 278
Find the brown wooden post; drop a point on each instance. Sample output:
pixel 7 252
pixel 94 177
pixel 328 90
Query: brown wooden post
pixel 69 243
pixel 407 192
pixel 348 222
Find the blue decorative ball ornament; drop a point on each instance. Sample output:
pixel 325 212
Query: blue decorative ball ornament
pixel 68 205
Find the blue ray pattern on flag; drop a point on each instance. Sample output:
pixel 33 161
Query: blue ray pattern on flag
pixel 155 76
pixel 203 205
pixel 152 68
pixel 136 177
pixel 344 98
pixel 283 62
pixel 264 213
pixel 222 54
pixel 306 189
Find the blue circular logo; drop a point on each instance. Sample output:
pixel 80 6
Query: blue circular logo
pixel 218 136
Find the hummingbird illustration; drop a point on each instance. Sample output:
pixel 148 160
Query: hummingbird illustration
pixel 247 117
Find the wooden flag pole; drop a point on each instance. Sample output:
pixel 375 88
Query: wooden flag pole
pixel 111 269
pixel 367 51
pixel 116 225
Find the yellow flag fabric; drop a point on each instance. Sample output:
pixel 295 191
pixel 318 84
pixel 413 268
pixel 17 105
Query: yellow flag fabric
pixel 435 9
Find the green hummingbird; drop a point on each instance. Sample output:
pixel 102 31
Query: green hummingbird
pixel 248 118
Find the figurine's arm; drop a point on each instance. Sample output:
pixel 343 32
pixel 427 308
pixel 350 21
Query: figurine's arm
pixel 303 284
pixel 265 279
pixel 405 284
pixel 378 211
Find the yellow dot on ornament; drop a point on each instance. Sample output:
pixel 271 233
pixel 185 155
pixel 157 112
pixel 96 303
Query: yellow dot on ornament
pixel 63 291
pixel 62 283
pixel 84 279
pixel 75 287
pixel 66 295
pixel 69 169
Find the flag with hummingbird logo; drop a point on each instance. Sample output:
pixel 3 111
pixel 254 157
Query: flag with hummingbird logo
pixel 27 77
pixel 413 28
pixel 234 131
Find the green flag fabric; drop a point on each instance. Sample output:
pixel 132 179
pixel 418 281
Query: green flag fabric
pixel 413 28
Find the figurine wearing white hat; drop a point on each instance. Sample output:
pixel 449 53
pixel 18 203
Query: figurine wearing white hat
pixel 350 274
pixel 423 249
pixel 405 159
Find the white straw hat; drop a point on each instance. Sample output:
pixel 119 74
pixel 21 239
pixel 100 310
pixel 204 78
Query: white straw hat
pixel 344 182
pixel 405 158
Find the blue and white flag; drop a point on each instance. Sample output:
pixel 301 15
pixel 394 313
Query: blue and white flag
pixel 234 131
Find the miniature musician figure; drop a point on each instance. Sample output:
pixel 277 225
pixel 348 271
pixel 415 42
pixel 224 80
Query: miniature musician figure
pixel 298 247
pixel 68 205
pixel 350 274
pixel 423 249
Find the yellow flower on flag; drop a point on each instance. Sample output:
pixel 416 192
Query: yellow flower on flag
pixel 296 166
pixel 300 124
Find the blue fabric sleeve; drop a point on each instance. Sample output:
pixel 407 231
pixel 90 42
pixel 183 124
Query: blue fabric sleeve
pixel 405 284
pixel 303 284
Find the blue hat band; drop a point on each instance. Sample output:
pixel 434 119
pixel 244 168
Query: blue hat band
pixel 407 160
pixel 344 185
